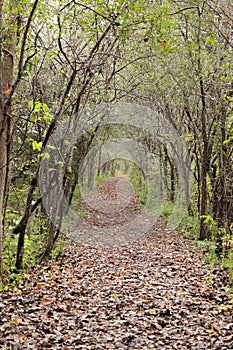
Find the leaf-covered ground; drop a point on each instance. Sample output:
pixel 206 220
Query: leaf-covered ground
pixel 153 293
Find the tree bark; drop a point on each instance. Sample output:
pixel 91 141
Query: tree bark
pixel 204 135
pixel 6 126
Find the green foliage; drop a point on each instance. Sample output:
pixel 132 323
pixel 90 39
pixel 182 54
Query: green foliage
pixel 227 262
pixel 57 249
pixel 32 250
pixel 39 111
pixel 14 281
pixel 216 232
pixel 79 210
pixel 9 253
pixel 83 213
pixel 189 227
pixel 167 210
pixel 36 146
pixel 37 225
pixel 102 177
pixel 138 183
pixel 207 248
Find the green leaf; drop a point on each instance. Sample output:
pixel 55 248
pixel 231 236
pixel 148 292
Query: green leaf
pixel 37 107
pixel 44 155
pixel 228 140
pixel 210 40
pixel 30 105
pixel 36 146
pixel 52 147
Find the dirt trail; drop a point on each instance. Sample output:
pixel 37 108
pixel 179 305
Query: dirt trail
pixel 152 293
pixel 116 194
pixel 115 216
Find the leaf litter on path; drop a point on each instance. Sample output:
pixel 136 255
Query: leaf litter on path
pixel 153 293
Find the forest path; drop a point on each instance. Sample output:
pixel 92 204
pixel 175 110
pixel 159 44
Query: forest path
pixel 153 293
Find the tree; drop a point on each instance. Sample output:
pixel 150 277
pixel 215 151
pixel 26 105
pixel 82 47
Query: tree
pixel 190 84
pixel 174 57
pixel 9 37
pixel 87 53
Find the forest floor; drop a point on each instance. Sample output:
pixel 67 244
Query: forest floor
pixel 152 293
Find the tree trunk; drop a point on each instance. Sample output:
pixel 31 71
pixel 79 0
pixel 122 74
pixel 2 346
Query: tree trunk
pixel 222 190
pixel 6 125
pixel 203 211
pixel 3 177
pixel 204 135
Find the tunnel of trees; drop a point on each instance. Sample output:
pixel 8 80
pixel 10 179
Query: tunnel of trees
pixel 59 58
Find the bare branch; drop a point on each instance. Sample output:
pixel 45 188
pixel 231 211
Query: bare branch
pixel 1 41
pixel 94 11
pixel 182 10
pixel 21 65
pixel 59 42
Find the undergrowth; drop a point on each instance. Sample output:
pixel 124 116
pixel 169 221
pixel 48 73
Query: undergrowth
pixel 190 227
